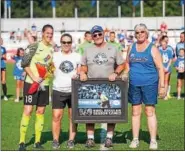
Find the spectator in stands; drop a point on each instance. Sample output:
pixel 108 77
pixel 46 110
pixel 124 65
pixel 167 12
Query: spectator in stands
pixel 179 65
pixel 87 42
pixel 3 69
pixel 34 32
pixel 167 56
pixel 18 72
pixel 40 54
pixel 112 41
pixel 106 31
pixel 19 35
pixel 180 44
pixel 25 33
pixel 98 62
pixel 155 38
pixel 145 63
pixel 66 63
pixel 125 46
pixel 12 36
pixel 163 27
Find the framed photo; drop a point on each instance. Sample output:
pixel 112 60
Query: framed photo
pixel 99 101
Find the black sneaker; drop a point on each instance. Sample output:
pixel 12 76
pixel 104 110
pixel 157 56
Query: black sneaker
pixel 38 145
pixel 22 147
pixel 55 144
pixel 90 143
pixel 108 142
pixel 70 144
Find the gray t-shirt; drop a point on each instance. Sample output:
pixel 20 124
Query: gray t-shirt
pixel 101 61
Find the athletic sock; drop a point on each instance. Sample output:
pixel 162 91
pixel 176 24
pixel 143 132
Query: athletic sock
pixel 23 127
pixel 39 124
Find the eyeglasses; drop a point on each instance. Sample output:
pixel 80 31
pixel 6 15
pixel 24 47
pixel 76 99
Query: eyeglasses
pixel 66 42
pixel 140 32
pixel 98 34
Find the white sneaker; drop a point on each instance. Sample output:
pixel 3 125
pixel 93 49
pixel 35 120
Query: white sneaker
pixel 178 98
pixel 134 143
pixel 5 98
pixel 153 145
pixel 16 100
pixel 166 98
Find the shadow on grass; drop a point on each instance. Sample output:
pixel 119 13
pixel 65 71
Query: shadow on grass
pixel 64 136
pixel 175 94
pixel 124 137
pixel 81 137
pixel 9 96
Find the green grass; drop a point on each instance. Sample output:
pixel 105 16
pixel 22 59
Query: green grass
pixel 170 115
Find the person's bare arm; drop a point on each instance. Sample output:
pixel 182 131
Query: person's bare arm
pixel 158 62
pixel 83 73
pixel 31 75
pixel 169 64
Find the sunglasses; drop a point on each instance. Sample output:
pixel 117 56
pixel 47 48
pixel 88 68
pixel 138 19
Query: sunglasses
pixel 140 32
pixel 66 42
pixel 98 34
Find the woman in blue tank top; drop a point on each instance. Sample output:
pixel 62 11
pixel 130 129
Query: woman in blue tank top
pixel 3 70
pixel 167 57
pixel 145 65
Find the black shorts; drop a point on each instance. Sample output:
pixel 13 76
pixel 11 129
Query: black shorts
pixel 60 99
pixel 40 98
pixel 3 69
pixel 181 76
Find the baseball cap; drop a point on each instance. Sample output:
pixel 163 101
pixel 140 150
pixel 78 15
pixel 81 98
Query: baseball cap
pixel 96 28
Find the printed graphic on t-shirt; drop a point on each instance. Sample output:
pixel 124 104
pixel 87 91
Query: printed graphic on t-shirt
pixel 100 58
pixel 18 65
pixel 181 64
pixel 165 58
pixel 137 59
pixel 66 66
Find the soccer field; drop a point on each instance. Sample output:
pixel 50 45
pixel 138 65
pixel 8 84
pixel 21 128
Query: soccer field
pixel 170 115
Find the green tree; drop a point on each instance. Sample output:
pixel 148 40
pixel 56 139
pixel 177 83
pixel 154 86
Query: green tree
pixel 108 8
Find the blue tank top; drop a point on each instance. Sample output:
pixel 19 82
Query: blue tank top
pixel 18 70
pixel 166 57
pixel 142 67
pixel 3 51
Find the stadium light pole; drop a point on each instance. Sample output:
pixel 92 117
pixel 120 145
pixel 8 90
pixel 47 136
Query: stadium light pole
pixel 98 8
pixel 141 7
pixel 5 9
pixel 164 8
pixel 182 11
pixel 9 11
pixel 119 11
pixel 76 10
pixel 133 11
pixel 31 9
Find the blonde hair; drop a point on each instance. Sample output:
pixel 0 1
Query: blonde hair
pixel 141 26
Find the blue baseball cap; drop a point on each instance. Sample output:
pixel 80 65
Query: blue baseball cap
pixel 96 28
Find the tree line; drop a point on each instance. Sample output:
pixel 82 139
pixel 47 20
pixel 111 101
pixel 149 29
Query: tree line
pixel 108 8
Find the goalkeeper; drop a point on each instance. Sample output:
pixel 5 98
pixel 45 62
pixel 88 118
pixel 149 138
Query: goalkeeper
pixel 36 53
